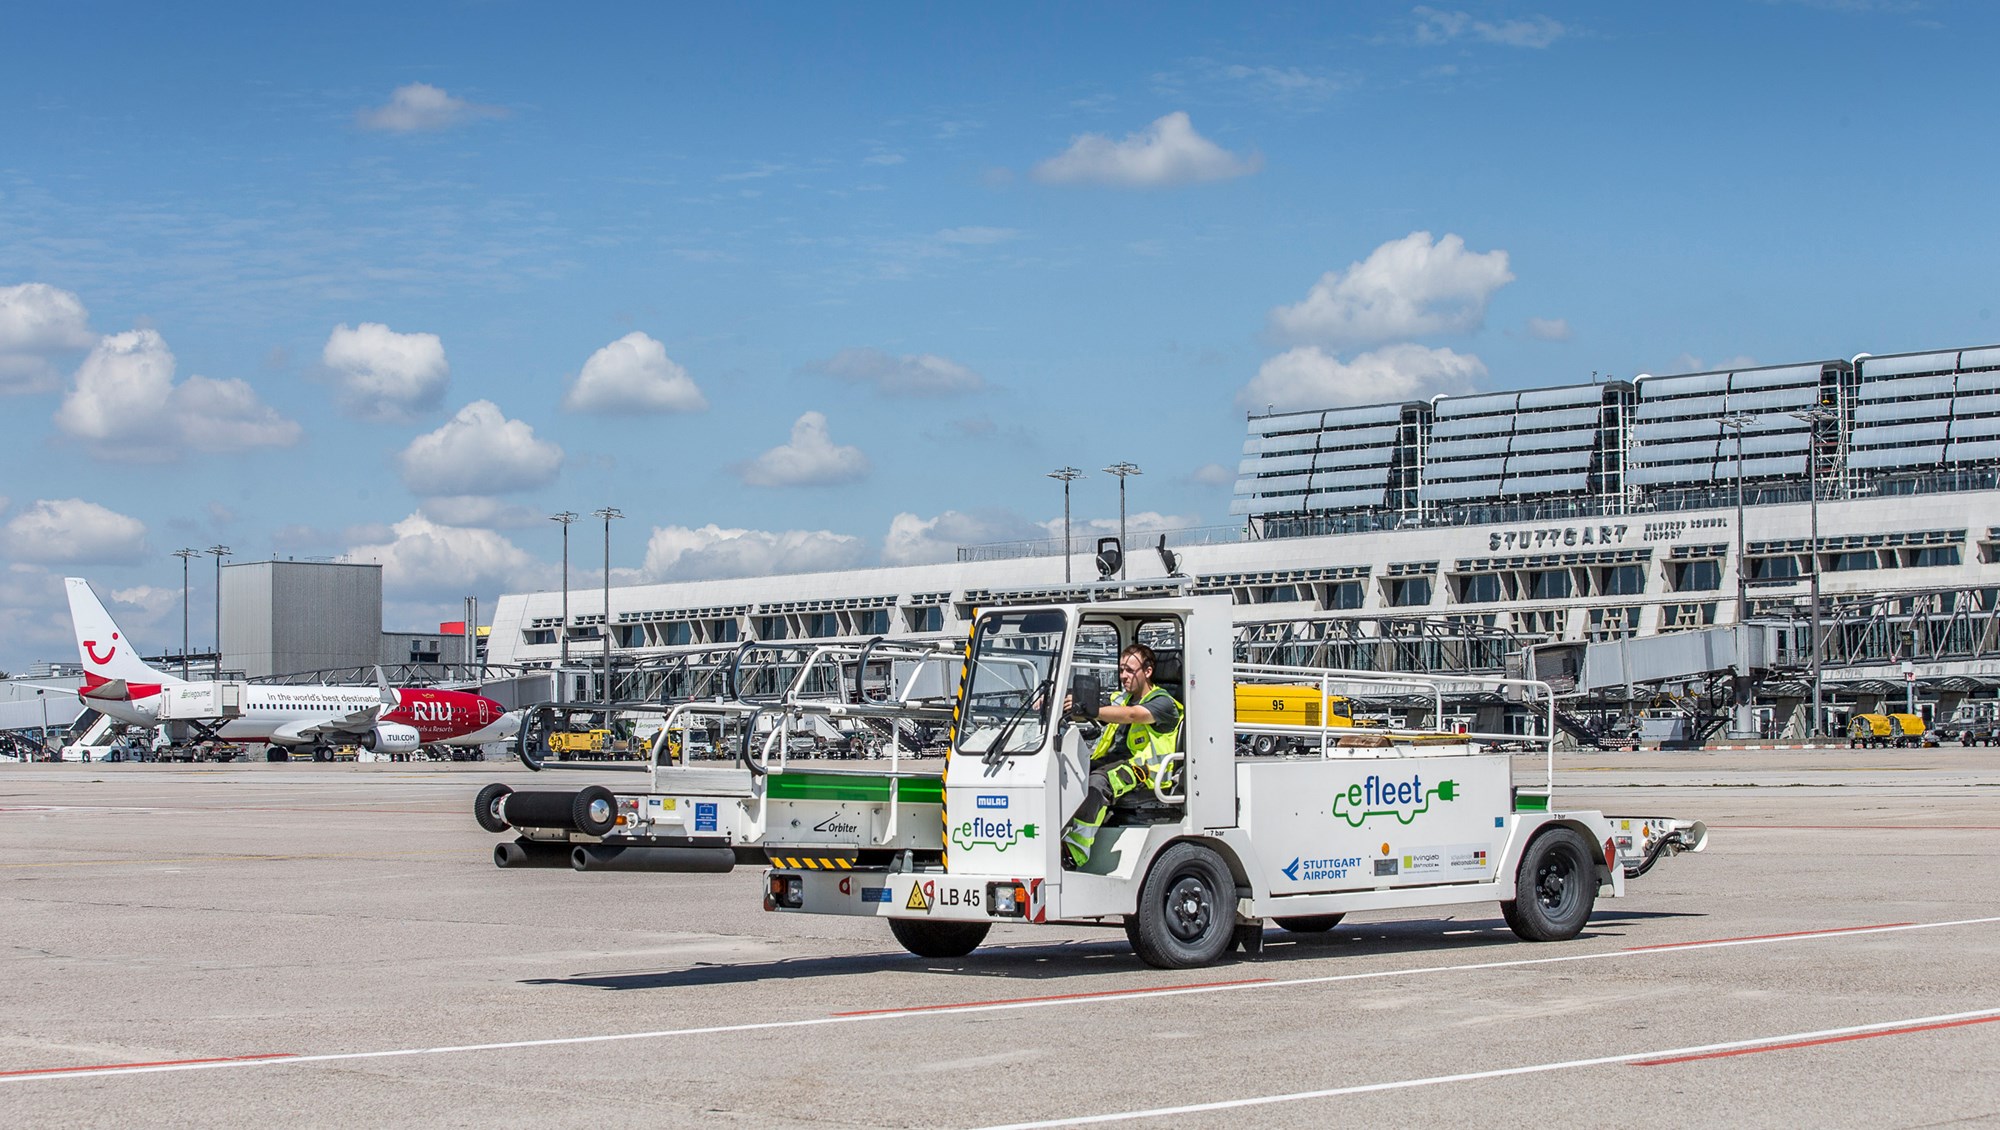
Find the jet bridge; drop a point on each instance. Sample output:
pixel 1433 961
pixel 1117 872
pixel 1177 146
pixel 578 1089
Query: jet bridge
pixel 1702 676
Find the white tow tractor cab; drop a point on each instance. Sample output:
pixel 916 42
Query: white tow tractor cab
pixel 1348 820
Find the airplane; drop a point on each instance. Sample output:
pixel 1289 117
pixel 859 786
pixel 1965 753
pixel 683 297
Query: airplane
pixel 381 718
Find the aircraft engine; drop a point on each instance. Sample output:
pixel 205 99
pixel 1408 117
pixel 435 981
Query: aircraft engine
pixel 391 737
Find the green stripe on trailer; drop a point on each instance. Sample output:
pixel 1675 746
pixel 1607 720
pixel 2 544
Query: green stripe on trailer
pixel 1530 802
pixel 853 786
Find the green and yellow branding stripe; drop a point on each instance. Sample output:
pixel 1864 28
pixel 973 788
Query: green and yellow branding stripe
pixel 863 787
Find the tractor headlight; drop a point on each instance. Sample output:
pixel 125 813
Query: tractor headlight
pixel 785 892
pixel 1006 900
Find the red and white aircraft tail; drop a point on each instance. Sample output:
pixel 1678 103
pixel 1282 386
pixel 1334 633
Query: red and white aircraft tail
pixel 112 668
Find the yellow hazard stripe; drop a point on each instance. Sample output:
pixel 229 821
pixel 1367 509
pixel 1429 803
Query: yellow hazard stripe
pixel 812 863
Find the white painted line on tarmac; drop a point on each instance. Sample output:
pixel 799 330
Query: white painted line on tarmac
pixel 1886 1027
pixel 1114 996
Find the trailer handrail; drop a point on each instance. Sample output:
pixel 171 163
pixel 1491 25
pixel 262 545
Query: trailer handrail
pixel 1533 690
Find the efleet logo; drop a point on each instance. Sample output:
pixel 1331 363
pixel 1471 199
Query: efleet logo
pixel 1404 800
pixel 996 834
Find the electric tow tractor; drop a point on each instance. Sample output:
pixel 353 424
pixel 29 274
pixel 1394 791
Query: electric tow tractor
pixel 1343 818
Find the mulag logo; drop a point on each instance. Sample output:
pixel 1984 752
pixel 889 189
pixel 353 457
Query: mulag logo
pixel 987 800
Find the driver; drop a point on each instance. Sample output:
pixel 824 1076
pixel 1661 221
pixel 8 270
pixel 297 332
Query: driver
pixel 1141 725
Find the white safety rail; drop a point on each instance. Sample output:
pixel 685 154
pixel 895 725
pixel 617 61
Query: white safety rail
pixel 830 683
pixel 1356 685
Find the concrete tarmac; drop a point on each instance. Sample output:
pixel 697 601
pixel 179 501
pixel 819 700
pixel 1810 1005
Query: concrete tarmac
pixel 330 944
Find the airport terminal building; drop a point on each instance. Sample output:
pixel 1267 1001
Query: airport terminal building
pixel 1450 534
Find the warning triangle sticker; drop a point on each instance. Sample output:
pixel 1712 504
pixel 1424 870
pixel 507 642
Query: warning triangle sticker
pixel 917 900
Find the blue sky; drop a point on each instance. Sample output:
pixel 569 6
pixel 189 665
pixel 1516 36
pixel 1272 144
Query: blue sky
pixel 816 286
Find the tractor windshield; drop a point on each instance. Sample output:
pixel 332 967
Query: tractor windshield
pixel 1010 691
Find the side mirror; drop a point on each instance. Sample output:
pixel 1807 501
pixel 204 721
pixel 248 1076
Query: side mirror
pixel 1086 688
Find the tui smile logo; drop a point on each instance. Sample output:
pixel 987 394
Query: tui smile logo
pixel 90 649
pixel 1403 800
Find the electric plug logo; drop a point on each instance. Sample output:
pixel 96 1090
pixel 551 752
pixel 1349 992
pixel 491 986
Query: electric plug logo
pixel 996 834
pixel 1403 800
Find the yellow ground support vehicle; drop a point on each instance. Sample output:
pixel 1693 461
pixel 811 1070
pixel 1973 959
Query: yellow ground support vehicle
pixel 1279 704
pixel 569 743
pixel 1884 730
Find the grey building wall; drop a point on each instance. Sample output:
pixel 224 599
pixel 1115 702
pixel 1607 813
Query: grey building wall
pixel 422 647
pixel 282 617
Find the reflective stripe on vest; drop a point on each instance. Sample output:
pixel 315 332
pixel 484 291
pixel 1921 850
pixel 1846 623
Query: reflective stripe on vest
pixel 1147 747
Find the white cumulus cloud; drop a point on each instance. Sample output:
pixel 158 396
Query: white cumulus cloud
pixel 1309 377
pixel 921 374
pixel 422 558
pixel 385 375
pixel 479 452
pixel 419 107
pixel 915 540
pixel 1406 288
pixel 1168 152
pixel 633 374
pixel 678 553
pixel 71 531
pixel 124 404
pixel 1549 329
pixel 810 459
pixel 38 323
pixel 1214 475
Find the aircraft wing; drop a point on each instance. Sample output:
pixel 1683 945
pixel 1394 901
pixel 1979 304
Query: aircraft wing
pixel 116 690
pixel 353 724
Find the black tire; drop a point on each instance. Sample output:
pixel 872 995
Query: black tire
pixel 487 807
pixel 1555 887
pixel 1264 745
pixel 1187 909
pixel 276 753
pixel 927 938
pixel 1310 923
pixel 594 811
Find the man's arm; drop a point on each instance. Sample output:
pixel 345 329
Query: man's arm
pixel 1159 713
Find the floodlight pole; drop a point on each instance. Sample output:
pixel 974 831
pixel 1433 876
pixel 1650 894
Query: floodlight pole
pixel 608 513
pixel 1814 417
pixel 1068 475
pixel 220 552
pixel 184 554
pixel 1737 423
pixel 562 635
pixel 1122 469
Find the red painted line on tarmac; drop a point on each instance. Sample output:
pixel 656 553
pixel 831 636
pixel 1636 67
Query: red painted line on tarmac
pixel 1815 1043
pixel 1061 997
pixel 1860 827
pixel 154 1063
pixel 1770 937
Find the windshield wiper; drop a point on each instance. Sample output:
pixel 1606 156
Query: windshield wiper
pixel 994 751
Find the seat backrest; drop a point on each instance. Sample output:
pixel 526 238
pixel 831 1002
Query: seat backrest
pixel 1167 675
